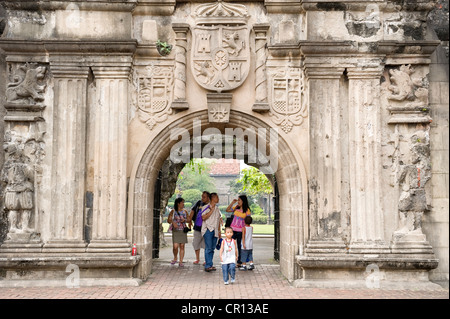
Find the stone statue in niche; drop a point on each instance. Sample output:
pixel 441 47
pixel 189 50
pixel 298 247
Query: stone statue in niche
pixel 412 180
pixel 27 85
pixel 18 177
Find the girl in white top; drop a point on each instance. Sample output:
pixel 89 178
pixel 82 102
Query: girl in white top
pixel 228 256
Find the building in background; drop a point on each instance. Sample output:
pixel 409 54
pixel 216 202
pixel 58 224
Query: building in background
pixel 225 171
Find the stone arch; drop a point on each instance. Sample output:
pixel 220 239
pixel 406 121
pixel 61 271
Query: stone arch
pixel 291 182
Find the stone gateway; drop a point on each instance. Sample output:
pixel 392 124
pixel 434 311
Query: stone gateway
pixel 93 94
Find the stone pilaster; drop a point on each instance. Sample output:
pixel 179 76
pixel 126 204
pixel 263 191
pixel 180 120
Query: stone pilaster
pixel 367 220
pixel 110 157
pixel 68 168
pixel 179 102
pixel 325 185
pixel 261 105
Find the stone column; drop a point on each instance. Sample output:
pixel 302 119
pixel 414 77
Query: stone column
pixel 325 118
pixel 261 103
pixel 68 162
pixel 179 102
pixel 110 160
pixel 365 161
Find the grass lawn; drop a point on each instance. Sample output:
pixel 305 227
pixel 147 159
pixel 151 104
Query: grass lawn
pixel 257 229
pixel 263 229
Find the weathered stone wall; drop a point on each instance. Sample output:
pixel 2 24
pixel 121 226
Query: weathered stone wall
pixel 358 97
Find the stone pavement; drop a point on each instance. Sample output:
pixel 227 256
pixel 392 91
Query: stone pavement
pixel 191 282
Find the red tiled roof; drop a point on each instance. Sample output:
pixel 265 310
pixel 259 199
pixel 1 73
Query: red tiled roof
pixel 225 167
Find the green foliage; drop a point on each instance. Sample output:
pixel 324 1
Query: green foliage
pixel 195 175
pixel 256 209
pixel 254 182
pixel 199 165
pixel 192 195
pixel 163 47
pixel 187 205
pixel 259 219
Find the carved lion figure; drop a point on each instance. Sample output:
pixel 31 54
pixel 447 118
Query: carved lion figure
pixel 404 84
pixel 29 87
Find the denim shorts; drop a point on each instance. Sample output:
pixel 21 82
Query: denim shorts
pixel 246 255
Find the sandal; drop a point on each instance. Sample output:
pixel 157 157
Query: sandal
pixel 196 262
pixel 173 262
pixel 180 265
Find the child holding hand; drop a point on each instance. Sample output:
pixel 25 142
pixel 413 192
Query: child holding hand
pixel 228 256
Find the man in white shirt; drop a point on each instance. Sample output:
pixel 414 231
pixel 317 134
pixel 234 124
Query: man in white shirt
pixel 212 221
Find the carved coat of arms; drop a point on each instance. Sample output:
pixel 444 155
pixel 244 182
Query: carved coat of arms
pixel 154 93
pixel 288 97
pixel 220 48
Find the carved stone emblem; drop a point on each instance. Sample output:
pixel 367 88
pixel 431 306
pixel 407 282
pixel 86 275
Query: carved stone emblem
pixel 288 105
pixel 154 96
pixel 220 48
pixel 219 107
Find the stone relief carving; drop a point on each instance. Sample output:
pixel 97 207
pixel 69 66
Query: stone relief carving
pixel 407 95
pixel 179 92
pixel 288 97
pixel 27 85
pixel 220 47
pixel 154 86
pixel 261 103
pixel 412 179
pixel 219 113
pixel 233 11
pixel 219 107
pixel 404 86
pixel 20 177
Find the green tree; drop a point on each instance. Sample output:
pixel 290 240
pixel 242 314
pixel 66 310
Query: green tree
pixel 195 175
pixel 253 182
pixel 192 195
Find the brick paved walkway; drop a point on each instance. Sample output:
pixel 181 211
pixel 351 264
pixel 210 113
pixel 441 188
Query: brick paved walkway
pixel 167 282
pixel 192 282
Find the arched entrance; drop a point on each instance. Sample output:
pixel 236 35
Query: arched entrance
pixel 168 181
pixel 291 184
